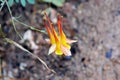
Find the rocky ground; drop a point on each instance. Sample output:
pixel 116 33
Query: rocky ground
pixel 94 23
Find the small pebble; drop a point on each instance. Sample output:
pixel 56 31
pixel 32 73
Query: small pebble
pixel 22 66
pixel 6 30
pixel 108 54
pixel 118 11
pixel 67 57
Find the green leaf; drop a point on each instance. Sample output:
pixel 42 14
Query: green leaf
pixel 49 1
pixel 58 3
pixel 31 1
pixel 1 0
pixel 23 3
pixel 10 2
pixel 48 10
pixel 17 1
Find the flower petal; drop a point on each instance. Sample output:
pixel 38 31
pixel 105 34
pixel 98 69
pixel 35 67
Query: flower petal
pixel 66 45
pixel 62 35
pixel 52 39
pixel 54 33
pixel 69 41
pixel 48 41
pixel 66 51
pixel 58 50
pixel 52 49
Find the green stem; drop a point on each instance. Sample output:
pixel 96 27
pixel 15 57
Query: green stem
pixel 12 19
pixel 2 5
pixel 31 27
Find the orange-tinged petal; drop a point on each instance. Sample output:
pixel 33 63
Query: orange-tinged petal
pixel 49 33
pixel 52 49
pixel 55 35
pixel 52 28
pixel 48 20
pixel 62 35
pixel 65 51
pixel 50 23
pixel 59 24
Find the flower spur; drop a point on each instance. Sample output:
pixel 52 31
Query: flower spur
pixel 59 44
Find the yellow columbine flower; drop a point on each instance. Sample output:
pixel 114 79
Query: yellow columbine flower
pixel 59 44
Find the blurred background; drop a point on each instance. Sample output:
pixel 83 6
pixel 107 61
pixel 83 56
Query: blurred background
pixel 95 24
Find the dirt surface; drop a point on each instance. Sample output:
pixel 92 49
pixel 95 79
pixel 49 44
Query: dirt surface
pixel 94 23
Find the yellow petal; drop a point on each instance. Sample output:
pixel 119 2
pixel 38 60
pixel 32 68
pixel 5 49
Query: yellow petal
pixel 52 49
pixel 58 50
pixel 65 51
pixel 66 45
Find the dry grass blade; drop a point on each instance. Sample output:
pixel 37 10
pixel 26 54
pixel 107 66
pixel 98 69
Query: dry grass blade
pixel 19 46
